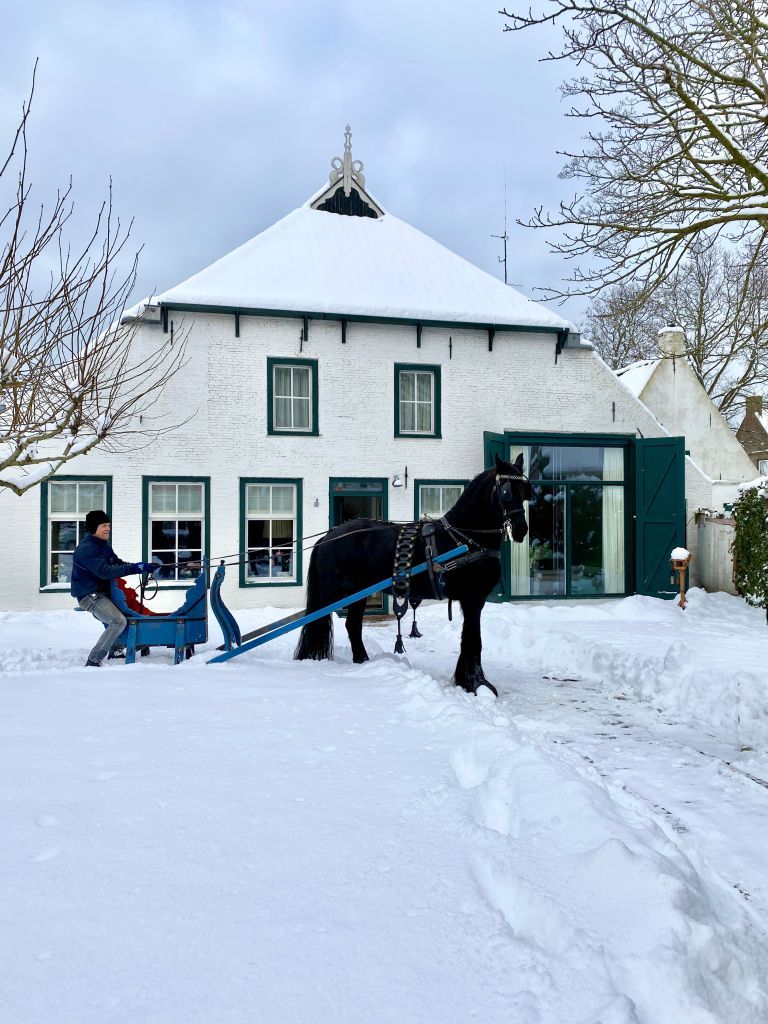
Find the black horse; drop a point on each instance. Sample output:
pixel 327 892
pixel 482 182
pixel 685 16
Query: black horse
pixel 362 551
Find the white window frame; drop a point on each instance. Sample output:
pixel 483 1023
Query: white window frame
pixel 176 516
pixel 415 402
pixel 442 486
pixel 253 579
pixel 78 516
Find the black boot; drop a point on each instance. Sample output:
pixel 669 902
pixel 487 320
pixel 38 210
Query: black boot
pixel 92 663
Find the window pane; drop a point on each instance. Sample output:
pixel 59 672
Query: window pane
pixel 258 533
pixel 283 414
pixel 189 564
pixel 407 416
pixel 282 381
pixel 61 568
pixel 424 387
pixel 162 498
pixel 63 497
pixel 258 498
pixel 300 414
pixel 190 498
pixel 423 417
pixel 587 540
pixel 282 498
pixel 429 501
pixel 190 533
pixel 167 558
pixel 164 534
pixel 282 531
pixel 450 496
pixel 63 536
pixel 91 496
pixel 258 562
pixel 281 563
pixel 407 386
pixel 301 381
pixel 546 539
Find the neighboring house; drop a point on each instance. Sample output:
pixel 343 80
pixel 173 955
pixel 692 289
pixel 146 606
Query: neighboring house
pixel 716 464
pixel 342 363
pixel 753 433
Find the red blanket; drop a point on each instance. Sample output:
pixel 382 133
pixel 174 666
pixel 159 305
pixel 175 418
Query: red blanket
pixel 132 600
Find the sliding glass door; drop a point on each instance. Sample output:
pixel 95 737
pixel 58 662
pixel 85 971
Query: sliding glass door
pixel 577 525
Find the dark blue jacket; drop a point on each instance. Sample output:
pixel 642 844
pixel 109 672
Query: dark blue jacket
pixel 94 565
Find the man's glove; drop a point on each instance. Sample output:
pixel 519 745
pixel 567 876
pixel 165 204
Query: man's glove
pixel 146 567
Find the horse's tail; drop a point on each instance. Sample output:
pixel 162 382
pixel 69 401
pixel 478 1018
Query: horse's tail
pixel 316 638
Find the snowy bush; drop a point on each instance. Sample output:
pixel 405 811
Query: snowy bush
pixel 750 545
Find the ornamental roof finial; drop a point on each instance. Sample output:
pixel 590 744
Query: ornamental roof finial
pixel 347 170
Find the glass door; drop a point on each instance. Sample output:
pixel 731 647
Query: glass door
pixel 360 498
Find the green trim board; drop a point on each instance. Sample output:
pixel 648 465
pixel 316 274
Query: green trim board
pixel 312 366
pixel 434 369
pixel 298 483
pixel 58 588
pixel 432 483
pixel 162 479
pixel 296 314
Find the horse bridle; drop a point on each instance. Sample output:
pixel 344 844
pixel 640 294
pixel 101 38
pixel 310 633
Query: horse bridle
pixel 503 491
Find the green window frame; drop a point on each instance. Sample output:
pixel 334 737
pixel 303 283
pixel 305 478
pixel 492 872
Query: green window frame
pixel 411 404
pixel 158 506
pixel 292 397
pixel 250 572
pixel 52 513
pixel 418 498
pixel 568 486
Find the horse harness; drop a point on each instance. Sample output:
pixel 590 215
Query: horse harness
pixel 406 542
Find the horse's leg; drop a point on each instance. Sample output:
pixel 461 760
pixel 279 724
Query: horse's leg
pixel 355 613
pixel 469 671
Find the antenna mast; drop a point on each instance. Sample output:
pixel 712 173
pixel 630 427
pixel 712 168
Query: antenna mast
pixel 505 236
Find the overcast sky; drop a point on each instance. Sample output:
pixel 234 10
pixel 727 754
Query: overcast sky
pixel 215 119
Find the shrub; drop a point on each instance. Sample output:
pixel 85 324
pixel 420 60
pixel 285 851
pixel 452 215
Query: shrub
pixel 750 545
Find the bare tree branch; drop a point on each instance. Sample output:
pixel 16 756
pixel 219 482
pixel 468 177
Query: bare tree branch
pixel 677 91
pixel 73 375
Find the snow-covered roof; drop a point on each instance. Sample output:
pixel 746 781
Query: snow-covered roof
pixel 313 261
pixel 635 376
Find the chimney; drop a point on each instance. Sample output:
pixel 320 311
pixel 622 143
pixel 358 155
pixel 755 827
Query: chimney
pixel 672 341
pixel 754 404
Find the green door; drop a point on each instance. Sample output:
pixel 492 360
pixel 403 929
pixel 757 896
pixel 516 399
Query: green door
pixel 659 511
pixel 493 445
pixel 360 498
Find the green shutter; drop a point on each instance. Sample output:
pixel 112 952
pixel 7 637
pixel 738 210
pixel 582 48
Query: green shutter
pixel 493 445
pixel 660 511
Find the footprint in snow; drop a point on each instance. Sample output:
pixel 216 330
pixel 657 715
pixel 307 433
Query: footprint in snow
pixel 47 821
pixel 45 855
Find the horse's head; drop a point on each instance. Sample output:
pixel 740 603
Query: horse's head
pixel 512 487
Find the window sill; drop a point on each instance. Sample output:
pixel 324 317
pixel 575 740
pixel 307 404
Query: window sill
pixel 419 437
pixel 293 433
pixel 54 588
pixel 244 584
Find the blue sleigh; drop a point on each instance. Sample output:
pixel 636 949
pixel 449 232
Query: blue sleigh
pixel 181 629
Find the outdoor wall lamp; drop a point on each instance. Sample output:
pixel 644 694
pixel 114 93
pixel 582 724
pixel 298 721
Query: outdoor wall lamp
pixel 398 481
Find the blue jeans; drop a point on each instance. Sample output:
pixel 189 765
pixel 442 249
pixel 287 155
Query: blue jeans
pixel 102 608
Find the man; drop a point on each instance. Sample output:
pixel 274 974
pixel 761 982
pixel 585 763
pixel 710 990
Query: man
pixel 93 566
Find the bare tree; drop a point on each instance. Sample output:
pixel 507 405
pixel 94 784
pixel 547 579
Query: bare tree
pixel 676 96
pixel 72 376
pixel 723 309
pixel 623 324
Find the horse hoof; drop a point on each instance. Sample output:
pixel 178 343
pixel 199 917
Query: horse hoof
pixel 488 686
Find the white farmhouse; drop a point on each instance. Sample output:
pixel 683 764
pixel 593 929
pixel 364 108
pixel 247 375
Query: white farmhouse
pixel 343 364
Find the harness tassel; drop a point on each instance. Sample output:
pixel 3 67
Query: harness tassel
pixel 399 645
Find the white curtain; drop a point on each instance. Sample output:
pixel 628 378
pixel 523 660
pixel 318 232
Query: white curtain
pixel 521 553
pixel 613 522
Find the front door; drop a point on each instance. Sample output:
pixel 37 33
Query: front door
pixel 360 498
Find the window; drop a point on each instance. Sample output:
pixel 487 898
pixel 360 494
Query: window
pixel 417 400
pixel 176 513
pixel 762 467
pixel 436 497
pixel 292 396
pixel 65 502
pixel 270 512
pixel 576 522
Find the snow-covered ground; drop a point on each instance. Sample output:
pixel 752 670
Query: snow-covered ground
pixel 271 842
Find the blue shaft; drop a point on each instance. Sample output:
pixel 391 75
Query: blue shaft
pixel 336 606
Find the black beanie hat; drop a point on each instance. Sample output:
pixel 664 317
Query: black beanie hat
pixel 94 520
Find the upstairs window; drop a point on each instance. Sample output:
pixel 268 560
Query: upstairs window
pixel 292 395
pixel 417 400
